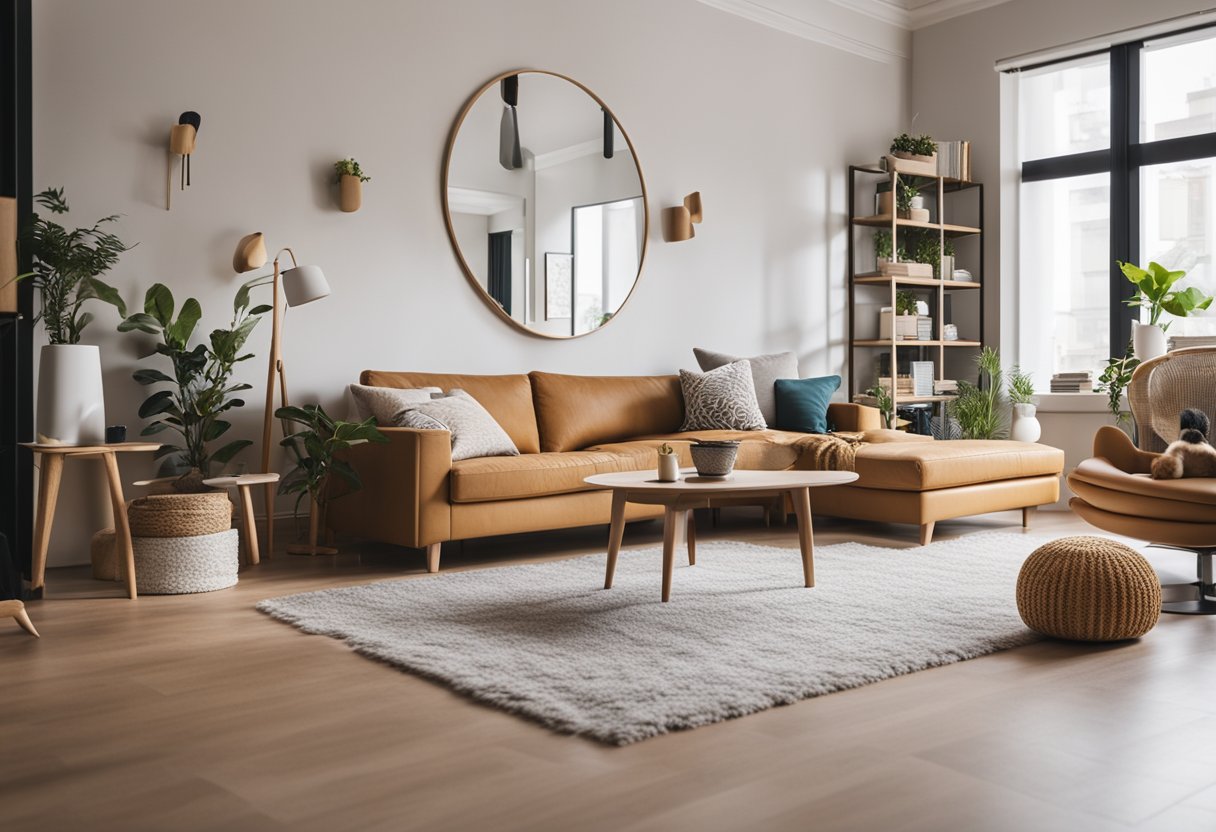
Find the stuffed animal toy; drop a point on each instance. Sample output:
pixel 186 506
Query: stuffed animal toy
pixel 1191 455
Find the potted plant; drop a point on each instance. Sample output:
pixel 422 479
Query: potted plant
pixel 977 409
pixel 201 389
pixel 906 199
pixel 67 269
pixel 884 403
pixel 904 318
pixel 914 154
pixel 1155 292
pixel 315 448
pixel 1025 425
pixel 350 183
pixel 669 464
pixel 1113 381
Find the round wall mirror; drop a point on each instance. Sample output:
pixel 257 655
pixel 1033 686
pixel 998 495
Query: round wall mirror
pixel 545 204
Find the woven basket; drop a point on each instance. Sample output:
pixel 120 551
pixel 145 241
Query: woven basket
pixel 103 556
pixel 1088 589
pixel 180 565
pixel 180 515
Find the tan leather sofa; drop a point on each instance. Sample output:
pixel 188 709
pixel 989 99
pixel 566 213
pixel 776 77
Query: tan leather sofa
pixel 570 427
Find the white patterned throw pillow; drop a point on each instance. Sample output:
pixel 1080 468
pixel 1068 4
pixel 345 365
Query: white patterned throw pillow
pixel 385 402
pixel 474 431
pixel 722 399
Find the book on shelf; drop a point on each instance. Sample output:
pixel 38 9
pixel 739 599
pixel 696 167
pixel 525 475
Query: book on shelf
pixel 945 387
pixel 924 328
pixel 904 269
pixel 954 160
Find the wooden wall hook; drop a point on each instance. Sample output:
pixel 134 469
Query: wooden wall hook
pixel 678 221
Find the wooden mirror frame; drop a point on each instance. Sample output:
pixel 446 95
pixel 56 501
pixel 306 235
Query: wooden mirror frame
pixel 447 210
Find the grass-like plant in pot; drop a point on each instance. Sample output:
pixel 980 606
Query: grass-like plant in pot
pixel 1155 292
pixel 315 448
pixel 977 409
pixel 201 390
pixel 350 182
pixel 68 265
pixel 1025 425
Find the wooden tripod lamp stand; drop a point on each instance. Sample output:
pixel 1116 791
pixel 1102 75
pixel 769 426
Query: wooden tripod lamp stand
pixel 297 286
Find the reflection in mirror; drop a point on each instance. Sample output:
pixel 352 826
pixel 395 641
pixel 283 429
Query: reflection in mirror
pixel 545 204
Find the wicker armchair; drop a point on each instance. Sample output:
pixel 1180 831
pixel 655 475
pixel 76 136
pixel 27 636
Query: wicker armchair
pixel 1115 492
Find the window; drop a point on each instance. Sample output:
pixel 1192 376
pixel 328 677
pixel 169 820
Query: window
pixel 1117 152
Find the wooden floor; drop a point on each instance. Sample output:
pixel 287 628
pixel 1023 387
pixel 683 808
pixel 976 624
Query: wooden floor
pixel 198 713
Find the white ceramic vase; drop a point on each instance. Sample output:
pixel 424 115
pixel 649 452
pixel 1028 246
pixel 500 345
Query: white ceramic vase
pixel 71 408
pixel 669 468
pixel 1026 427
pixel 1148 341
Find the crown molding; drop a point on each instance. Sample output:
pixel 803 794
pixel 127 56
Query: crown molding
pixel 859 38
pixel 891 12
pixel 938 11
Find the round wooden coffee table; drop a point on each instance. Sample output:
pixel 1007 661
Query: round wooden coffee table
pixel 694 491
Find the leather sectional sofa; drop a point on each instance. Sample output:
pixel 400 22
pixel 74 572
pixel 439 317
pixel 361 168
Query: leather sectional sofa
pixel 570 427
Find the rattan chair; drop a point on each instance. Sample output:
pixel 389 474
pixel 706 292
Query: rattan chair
pixel 1113 489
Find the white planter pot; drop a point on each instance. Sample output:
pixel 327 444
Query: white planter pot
pixel 1148 341
pixel 669 468
pixel 1026 427
pixel 71 408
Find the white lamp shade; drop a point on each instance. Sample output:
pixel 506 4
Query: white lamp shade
pixel 304 284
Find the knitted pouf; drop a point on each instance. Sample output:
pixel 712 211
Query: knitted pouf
pixel 180 515
pixel 1088 589
pixel 179 565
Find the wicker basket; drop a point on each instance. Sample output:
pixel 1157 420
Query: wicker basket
pixel 180 515
pixel 1088 589
pixel 181 565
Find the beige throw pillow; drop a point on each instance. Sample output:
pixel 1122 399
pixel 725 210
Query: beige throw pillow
pixel 386 402
pixel 474 431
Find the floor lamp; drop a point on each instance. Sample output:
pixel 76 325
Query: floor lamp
pixel 297 286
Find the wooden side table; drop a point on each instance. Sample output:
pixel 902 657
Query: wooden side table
pixel 243 484
pixel 52 457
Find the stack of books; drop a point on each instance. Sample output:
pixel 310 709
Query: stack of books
pixel 924 328
pixel 945 387
pixel 954 160
pixel 1181 342
pixel 1072 382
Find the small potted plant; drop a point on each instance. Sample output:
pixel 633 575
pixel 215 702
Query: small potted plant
pixel 1025 425
pixel 904 319
pixel 669 464
pixel 1155 292
pixel 914 154
pixel 315 448
pixel 884 403
pixel 906 199
pixel 350 183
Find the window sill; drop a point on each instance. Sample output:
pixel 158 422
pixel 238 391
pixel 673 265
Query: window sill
pixel 1072 403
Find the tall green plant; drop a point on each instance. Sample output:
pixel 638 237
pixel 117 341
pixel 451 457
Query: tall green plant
pixel 314 449
pixel 67 268
pixel 1021 386
pixel 1114 380
pixel 978 408
pixel 201 391
pixel 1155 292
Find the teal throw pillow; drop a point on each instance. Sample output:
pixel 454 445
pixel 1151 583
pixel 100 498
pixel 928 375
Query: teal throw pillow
pixel 802 403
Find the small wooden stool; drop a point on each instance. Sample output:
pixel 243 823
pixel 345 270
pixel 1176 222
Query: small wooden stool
pixel 16 609
pixel 249 529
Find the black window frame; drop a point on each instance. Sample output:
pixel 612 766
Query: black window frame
pixel 1123 160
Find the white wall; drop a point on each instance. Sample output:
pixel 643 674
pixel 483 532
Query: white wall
pixel 761 122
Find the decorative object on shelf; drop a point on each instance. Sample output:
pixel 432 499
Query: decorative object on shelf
pixel 915 155
pixel 949 332
pixel 298 285
pixel 678 221
pixel 884 403
pixel 67 269
pixel 350 184
pixel 116 434
pixel 669 464
pixel 904 321
pixel 714 458
pixel 201 393
pixel 183 137
pixel 314 449
pixel 1088 589
pixel 946 267
pixel 1115 378
pixel 978 407
pixel 1025 425
pixel 922 378
pixel 1155 292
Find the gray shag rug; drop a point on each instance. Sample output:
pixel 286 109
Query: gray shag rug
pixel 739 635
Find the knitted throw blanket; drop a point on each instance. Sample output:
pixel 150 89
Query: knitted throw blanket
pixel 829 451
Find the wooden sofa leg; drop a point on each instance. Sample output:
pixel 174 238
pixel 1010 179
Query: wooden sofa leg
pixel 1027 513
pixel 432 557
pixel 926 533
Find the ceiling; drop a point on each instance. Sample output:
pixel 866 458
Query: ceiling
pixel 875 29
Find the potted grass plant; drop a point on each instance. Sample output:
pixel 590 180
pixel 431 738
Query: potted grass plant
pixel 1024 426
pixel 977 409
pixel 1155 293
pixel 350 184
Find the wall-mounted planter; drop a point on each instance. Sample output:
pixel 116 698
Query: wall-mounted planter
pixel 350 197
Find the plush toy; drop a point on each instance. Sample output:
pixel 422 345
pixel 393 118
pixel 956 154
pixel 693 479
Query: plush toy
pixel 1191 455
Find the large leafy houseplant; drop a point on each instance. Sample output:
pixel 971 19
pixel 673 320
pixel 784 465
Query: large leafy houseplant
pixel 315 447
pixel 201 390
pixel 1155 292
pixel 977 408
pixel 68 266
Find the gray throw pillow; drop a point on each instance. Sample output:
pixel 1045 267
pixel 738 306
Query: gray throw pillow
pixel 385 402
pixel 766 369
pixel 722 399
pixel 474 431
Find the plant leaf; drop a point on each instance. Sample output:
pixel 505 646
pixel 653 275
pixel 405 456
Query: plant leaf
pixel 225 454
pixel 158 302
pixel 181 330
pixel 150 376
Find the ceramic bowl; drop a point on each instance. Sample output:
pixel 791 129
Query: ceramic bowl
pixel 714 459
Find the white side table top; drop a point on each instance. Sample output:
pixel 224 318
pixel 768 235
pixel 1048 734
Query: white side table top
pixel 241 479
pixel 735 481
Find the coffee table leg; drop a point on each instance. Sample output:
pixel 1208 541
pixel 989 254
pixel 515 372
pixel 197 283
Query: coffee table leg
pixel 675 521
pixel 122 530
pixel 51 470
pixel 615 534
pixel 692 538
pixel 801 497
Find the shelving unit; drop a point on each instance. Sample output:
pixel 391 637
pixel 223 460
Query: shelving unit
pixel 946 199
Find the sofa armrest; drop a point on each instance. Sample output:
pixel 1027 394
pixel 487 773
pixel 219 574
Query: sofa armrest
pixel 404 499
pixel 847 416
pixel 1117 448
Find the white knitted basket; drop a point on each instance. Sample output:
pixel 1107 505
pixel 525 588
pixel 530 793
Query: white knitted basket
pixel 181 565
